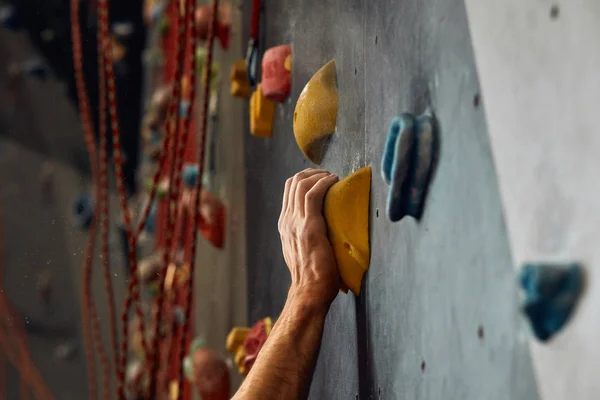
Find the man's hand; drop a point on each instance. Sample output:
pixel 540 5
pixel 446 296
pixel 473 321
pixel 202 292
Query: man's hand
pixel 285 364
pixel 306 248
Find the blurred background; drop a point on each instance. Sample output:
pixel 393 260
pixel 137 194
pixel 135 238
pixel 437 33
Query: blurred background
pixel 142 168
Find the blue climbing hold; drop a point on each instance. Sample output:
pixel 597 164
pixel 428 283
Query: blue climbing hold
pixel 407 163
pixel 154 137
pixel 83 211
pixel 178 315
pixel 183 108
pixel 35 68
pixel 551 294
pixel 190 175
pixel 150 223
pixel 9 18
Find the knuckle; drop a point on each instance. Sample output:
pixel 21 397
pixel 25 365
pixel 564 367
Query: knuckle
pixel 304 186
pixel 311 195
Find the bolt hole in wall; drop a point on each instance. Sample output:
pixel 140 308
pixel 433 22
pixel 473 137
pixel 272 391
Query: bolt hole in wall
pixel 554 11
pixel 476 100
pixel 376 38
pixel 480 333
pixel 423 365
pixel 377 213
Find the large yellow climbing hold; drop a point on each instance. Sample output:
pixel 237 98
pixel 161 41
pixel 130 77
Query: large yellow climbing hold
pixel 316 113
pixel 240 87
pixel 346 211
pixel 262 111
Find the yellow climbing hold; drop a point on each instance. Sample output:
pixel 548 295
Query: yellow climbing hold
pixel 240 354
pixel 240 87
pixel 346 211
pixel 268 325
pixel 316 112
pixel 262 111
pixel 173 390
pixel 236 338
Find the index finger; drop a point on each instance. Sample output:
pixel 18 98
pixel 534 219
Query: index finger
pixel 314 198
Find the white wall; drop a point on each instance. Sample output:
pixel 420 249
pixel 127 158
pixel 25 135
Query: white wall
pixel 540 82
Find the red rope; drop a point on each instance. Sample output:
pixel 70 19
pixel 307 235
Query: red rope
pixel 104 206
pixel 173 125
pixel 133 295
pixel 196 197
pixel 162 158
pixel 85 118
pixel 255 19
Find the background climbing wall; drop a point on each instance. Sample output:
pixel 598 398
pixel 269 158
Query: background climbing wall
pixel 39 127
pixel 541 107
pixel 438 315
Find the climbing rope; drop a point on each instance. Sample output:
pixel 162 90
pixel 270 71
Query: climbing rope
pixel 104 204
pixel 88 131
pixel 173 129
pixel 196 196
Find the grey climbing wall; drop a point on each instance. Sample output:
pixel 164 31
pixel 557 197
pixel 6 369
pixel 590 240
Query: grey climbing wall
pixel 437 318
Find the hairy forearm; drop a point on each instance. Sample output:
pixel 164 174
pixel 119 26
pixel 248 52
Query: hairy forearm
pixel 284 367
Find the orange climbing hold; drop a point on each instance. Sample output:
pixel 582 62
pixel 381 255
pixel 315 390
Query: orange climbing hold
pixel 262 111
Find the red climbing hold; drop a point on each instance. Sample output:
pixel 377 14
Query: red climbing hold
pixel 276 73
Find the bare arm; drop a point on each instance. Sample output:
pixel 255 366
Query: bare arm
pixel 284 367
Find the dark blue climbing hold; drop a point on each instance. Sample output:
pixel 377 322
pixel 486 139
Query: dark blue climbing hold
pixel 190 175
pixel 154 137
pixel 151 220
pixel 83 211
pixel 178 315
pixel 551 295
pixel 183 108
pixel 35 68
pixel 406 164
pixel 9 19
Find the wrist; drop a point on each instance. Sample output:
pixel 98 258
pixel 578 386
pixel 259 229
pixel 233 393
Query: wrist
pixel 309 300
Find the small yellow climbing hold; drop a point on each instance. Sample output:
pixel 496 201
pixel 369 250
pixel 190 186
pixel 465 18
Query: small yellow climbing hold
pixel 262 111
pixel 346 211
pixel 241 90
pixel 287 64
pixel 268 325
pixel 316 112
pixel 240 354
pixel 173 390
pixel 236 338
pixel 240 87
